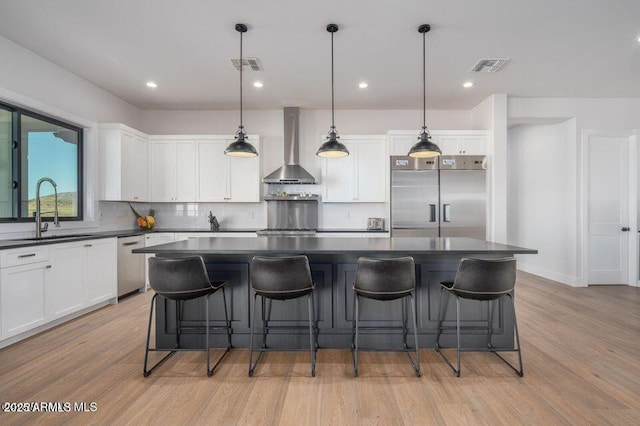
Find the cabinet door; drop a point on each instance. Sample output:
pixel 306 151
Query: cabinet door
pixel 135 168
pixel 371 166
pixel 338 177
pixel 163 170
pixel 128 164
pixel 65 293
pixel 141 168
pixel 474 145
pixel 22 290
pixel 154 240
pixel 186 171
pixel 244 180
pixel 100 270
pixel 449 145
pixel 401 144
pixel 212 171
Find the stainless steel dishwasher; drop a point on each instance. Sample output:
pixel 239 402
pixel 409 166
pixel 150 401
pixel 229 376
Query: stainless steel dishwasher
pixel 130 265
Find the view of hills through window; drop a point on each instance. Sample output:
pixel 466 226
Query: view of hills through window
pixel 49 150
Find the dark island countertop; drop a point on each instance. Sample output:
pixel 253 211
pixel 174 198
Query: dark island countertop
pixel 333 246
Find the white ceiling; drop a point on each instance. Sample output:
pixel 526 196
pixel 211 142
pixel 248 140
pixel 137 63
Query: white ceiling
pixel 558 48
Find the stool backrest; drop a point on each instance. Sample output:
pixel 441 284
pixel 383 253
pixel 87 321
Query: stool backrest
pixel 183 275
pixel 488 276
pixel 385 275
pixel 280 274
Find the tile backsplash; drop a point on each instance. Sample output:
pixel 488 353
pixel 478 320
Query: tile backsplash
pixel 117 215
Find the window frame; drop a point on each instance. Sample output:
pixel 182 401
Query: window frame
pixel 16 166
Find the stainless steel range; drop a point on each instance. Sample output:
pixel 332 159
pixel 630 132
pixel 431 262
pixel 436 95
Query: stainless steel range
pixel 291 215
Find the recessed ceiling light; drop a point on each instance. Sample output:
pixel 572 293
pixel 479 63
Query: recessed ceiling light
pixel 152 84
pixel 258 84
pixel 638 39
pixel 467 84
pixel 363 85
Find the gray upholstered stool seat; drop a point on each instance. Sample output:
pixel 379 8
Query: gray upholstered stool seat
pixel 281 278
pixel 181 280
pixel 385 280
pixel 484 280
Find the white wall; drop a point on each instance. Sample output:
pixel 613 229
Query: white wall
pixel 601 115
pixel 37 83
pixel 542 201
pixel 33 82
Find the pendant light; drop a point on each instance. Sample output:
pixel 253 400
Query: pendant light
pixel 424 148
pixel 240 147
pixel 332 148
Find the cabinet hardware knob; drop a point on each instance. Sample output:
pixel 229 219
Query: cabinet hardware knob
pixel 48 267
pixel 625 229
pixel 88 245
pixel 26 255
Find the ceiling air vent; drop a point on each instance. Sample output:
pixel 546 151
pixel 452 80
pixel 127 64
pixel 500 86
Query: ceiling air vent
pixel 490 65
pixel 252 64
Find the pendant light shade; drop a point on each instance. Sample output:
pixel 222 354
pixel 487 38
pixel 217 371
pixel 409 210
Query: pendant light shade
pixel 332 148
pixel 424 148
pixel 240 147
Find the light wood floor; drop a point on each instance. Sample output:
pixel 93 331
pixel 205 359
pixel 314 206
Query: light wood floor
pixel 581 349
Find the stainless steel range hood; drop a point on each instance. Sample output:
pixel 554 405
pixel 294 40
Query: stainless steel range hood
pixel 291 171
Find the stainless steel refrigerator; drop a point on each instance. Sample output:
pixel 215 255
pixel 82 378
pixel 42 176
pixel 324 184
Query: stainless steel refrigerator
pixel 443 196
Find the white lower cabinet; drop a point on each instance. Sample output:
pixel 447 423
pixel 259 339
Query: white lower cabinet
pixel 22 298
pixel 153 240
pixel 101 270
pixel 64 293
pixel 44 283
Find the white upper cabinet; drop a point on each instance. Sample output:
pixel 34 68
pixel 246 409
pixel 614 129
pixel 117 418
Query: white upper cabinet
pixel 226 179
pixel 123 163
pixel 462 144
pixel 451 142
pixel 359 177
pixel 173 170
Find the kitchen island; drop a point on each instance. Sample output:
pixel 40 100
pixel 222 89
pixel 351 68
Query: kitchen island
pixel 333 266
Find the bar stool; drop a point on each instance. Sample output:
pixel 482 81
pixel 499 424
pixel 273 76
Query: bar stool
pixel 384 280
pixel 484 280
pixel 179 280
pixel 281 278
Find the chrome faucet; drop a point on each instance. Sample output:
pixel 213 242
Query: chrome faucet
pixel 40 228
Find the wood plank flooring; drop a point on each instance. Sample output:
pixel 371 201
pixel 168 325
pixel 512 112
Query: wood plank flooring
pixel 581 348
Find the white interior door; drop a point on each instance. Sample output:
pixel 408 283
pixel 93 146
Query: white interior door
pixel 608 209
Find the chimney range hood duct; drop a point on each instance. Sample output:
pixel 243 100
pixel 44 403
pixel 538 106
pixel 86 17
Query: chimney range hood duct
pixel 291 171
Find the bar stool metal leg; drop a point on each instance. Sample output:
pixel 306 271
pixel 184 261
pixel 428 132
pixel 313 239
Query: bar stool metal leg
pixel 457 371
pixel 252 366
pixel 146 372
pixel 416 365
pixel 441 314
pixel 520 371
pixel 356 316
pixel 312 349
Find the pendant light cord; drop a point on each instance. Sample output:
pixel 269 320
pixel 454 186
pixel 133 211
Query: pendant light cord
pixel 424 82
pixel 332 103
pixel 241 66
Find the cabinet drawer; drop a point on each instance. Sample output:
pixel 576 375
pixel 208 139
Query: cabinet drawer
pixel 23 256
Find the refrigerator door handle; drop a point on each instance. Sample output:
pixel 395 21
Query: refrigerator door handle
pixel 446 212
pixel 432 210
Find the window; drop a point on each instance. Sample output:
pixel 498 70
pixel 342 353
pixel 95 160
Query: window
pixel 43 147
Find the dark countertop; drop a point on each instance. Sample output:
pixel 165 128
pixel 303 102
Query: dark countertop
pixel 332 246
pixel 385 231
pixel 83 236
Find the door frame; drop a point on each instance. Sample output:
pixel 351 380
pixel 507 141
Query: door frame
pixel 633 279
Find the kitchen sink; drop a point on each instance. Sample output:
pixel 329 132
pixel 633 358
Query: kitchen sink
pixel 54 237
